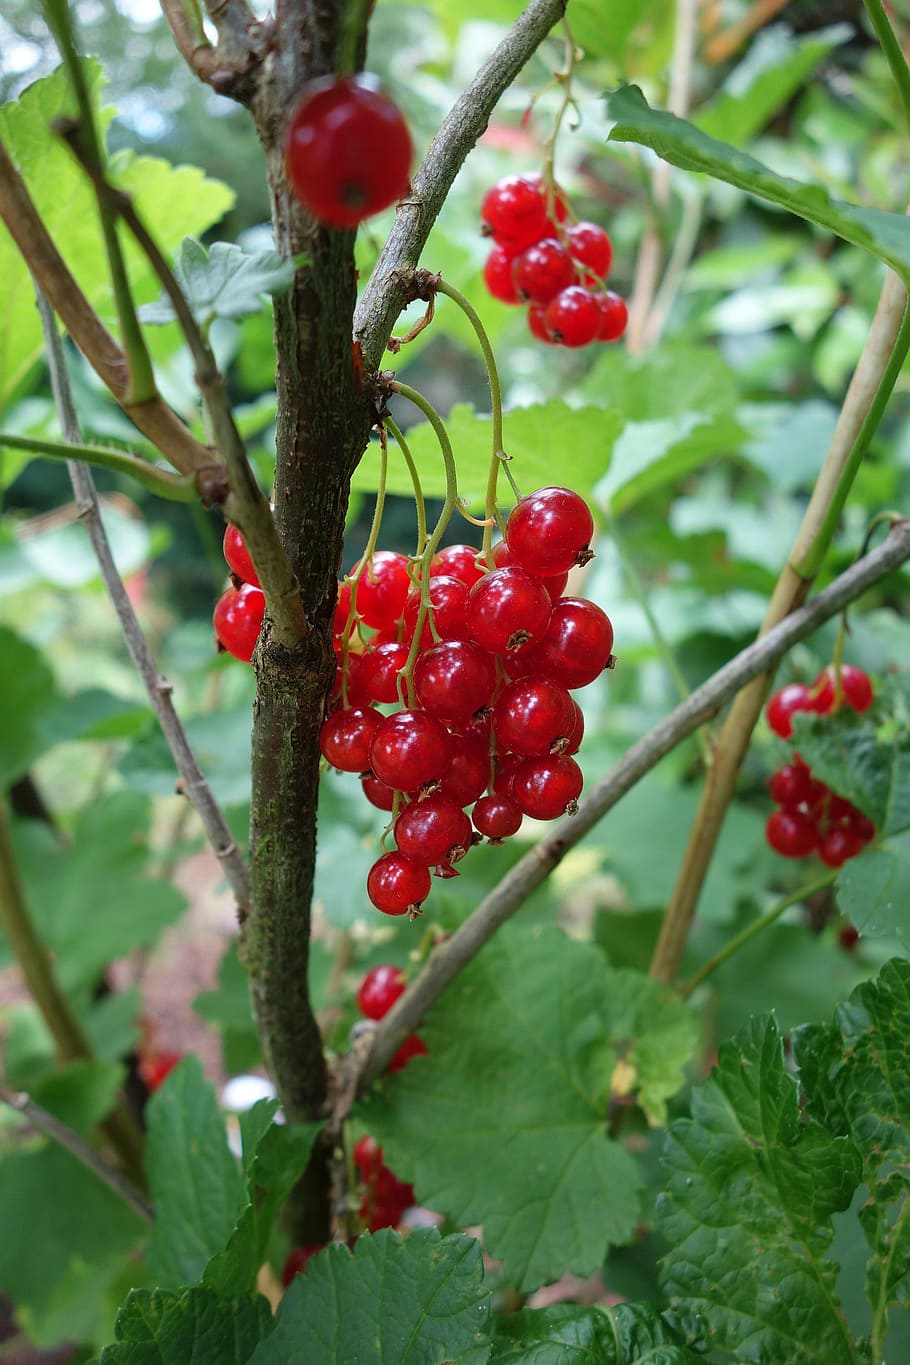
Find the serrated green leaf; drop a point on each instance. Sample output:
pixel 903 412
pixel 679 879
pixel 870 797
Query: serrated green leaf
pixel 885 235
pixel 539 439
pixel 751 1189
pixel 222 282
pixel 414 1302
pixel 195 1328
pixel 844 752
pixel 551 1189
pixel 873 890
pixel 197 1189
pixel 658 1034
pixel 567 1334
pixel 126 909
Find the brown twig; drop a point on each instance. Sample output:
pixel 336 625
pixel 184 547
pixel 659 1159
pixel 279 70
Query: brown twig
pixel 505 899
pixel 230 66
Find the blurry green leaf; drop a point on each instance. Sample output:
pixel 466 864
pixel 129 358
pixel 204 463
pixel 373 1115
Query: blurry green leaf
pixel 112 1023
pixel 656 1034
pixel 64 556
pixel 414 1302
pixel 551 1189
pixel 844 753
pixel 885 235
pixel 653 453
pixel 567 1334
pixel 27 693
pixel 195 1328
pixel 873 890
pixel 349 837
pixel 196 1186
pixel 93 900
pixel 789 441
pixel 222 281
pixel 81 1093
pixel 752 1187
pixel 777 65
pixel 674 379
pixel 221 742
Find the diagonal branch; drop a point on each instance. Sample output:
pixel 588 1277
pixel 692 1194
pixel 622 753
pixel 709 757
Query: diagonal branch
pixel 385 295
pixel 231 66
pixel 195 786
pixel 536 865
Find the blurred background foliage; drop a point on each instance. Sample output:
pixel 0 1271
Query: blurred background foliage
pixel 699 451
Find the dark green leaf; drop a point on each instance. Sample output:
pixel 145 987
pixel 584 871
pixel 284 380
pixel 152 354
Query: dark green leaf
pixel 228 1008
pixel 552 1190
pixel 414 1302
pixel 885 235
pixel 223 281
pixel 569 1335
pixel 28 694
pixel 195 1328
pixel 844 752
pixel 873 890
pixel 81 1093
pixel 196 1185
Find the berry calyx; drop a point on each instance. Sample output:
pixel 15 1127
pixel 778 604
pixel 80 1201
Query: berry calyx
pixel 396 886
pixel 348 150
pixel 237 619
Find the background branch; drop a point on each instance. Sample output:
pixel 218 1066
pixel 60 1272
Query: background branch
pixel 511 893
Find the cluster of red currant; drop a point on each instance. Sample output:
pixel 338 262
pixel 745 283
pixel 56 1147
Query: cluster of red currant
pixel 489 719
pixel 240 608
pixel 558 269
pixel 811 818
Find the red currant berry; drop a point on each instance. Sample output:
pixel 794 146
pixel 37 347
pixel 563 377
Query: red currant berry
pixel 348 150
pixel 573 317
pixel 578 733
pixel 542 271
pixel 782 706
pixel 238 556
pixel 154 1068
pixel 379 990
pixel 396 886
pixel 238 620
pixel 537 325
pixel 377 793
pixel 497 817
pixel 454 679
pixel 458 561
pixel 533 717
pixel 448 598
pixel 848 937
pixel 433 831
pixel 497 276
pixel 613 316
pixel 378 672
pixel 503 557
pixel 578 643
pixel 855 687
pixel 515 212
pixel 382 589
pixel 410 750
pixel 504 773
pixel 470 771
pixel 413 1046
pixel 346 736
pixel 549 532
pixel 793 785
pixel 591 247
pixel 862 826
pixel 297 1262
pixel 791 834
pixel 507 610
pixel 367 1156
pixel 838 845
pixel 546 788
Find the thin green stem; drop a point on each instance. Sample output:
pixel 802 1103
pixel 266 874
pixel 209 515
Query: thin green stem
pixel 810 563
pixel 399 438
pixel 177 487
pixel 892 49
pixel 366 561
pixel 564 79
pixel 753 930
pixel 350 40
pixel 84 137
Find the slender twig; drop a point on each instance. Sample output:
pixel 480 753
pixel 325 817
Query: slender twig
pixel 892 49
pixel 231 67
pixel 177 487
pixel 52 1127
pixel 159 689
pixel 723 45
pixel 505 899
pixel 385 294
pixel 752 930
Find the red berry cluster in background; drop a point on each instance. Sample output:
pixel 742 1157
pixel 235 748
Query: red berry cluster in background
pixel 811 818
pixel 348 150
pixel 491 724
pixel 240 608
pixel 558 268
pixel 378 991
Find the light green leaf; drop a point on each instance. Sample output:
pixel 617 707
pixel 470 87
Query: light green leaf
pixel 221 282
pixel 653 453
pixel 566 1334
pixel 414 1302
pixel 64 556
pixel 27 693
pixel 873 890
pixel 885 235
pixel 658 1034
pixel 541 1174
pixel 221 744
pixel 844 752
pixel 81 1093
pixel 752 1186
pixel 195 1328
pixel 196 1185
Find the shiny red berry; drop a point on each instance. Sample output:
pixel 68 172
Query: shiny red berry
pixel 542 271
pixel 537 324
pixel 238 556
pixel 378 670
pixel 856 689
pixel 348 150
pixel 549 531
pixel 613 316
pixel 396 886
pixel 508 609
pixel 433 831
pixel 379 990
pixel 367 1156
pixel 469 774
pixel 838 845
pixel 573 316
pixel 791 834
pixel 346 736
pixel 555 585
pixel 793 785
pixel 377 793
pixel 534 717
pixel 238 620
pixel 546 788
pixel 448 598
pixel 497 276
pixel 413 1046
pixel 591 247
pixel 454 679
pixel 410 750
pixel 578 643
pixel 514 212
pixel 496 817
pixel 382 589
pixel 784 704
pixel 458 561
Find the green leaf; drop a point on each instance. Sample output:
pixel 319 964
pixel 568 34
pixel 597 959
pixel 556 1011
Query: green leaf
pixel 566 1334
pixel 885 235
pixel 108 853
pixel 196 1185
pixel 844 752
pixel 650 454
pixel 81 1093
pixel 221 743
pixel 751 1189
pixel 537 438
pixel 414 1302
pixel 195 1328
pixel 551 1189
pixel 27 692
pixel 873 891
pixel 222 282
pixel 63 555
pixel 658 1034
pixel 66 1237
pixel 228 1008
